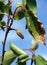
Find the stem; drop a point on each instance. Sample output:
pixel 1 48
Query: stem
pixel 20 7
pixel 3 50
pixel 7 31
pixel 16 12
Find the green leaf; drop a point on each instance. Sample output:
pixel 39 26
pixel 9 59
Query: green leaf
pixel 2 23
pixel 24 3
pixel 6 9
pixel 14 52
pixel 1 9
pixel 39 60
pixel 31 5
pixel 20 63
pixel 35 27
pixel 1 0
pixel 22 55
pixel 16 49
pixel 19 15
pixel 9 57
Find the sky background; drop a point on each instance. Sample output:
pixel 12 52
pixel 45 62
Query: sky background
pixel 26 42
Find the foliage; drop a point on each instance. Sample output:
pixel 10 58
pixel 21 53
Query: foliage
pixel 14 52
pixel 1 10
pixel 27 9
pixel 40 60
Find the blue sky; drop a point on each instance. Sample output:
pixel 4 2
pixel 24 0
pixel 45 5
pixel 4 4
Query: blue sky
pixel 26 42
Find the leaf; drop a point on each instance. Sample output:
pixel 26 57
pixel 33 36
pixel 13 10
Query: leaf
pixel 2 23
pixel 34 46
pixel 20 63
pixel 1 10
pixel 22 55
pixel 14 52
pixel 20 34
pixel 24 3
pixel 19 15
pixel 1 0
pixel 23 60
pixel 31 5
pixel 9 57
pixel 39 60
pixel 16 49
pixel 6 9
pixel 35 27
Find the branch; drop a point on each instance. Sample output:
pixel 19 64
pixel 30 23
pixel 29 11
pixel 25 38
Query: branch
pixel 7 31
pixel 19 7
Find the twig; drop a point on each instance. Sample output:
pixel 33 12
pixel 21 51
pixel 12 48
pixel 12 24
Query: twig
pixel 7 31
pixel 9 28
pixel 16 12
pixel 19 7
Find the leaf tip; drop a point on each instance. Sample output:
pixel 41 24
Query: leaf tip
pixel 41 39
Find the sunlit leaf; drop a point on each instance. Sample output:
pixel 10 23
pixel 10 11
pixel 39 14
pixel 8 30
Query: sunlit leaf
pixel 19 4
pixel 31 5
pixel 34 45
pixel 16 49
pixel 14 52
pixel 1 0
pixel 20 34
pixel 22 55
pixel 35 27
pixel 39 60
pixel 9 57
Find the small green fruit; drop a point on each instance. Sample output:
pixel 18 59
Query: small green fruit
pixel 35 44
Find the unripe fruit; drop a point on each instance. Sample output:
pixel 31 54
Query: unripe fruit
pixel 20 34
pixel 34 45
